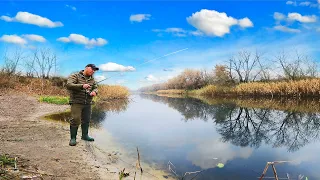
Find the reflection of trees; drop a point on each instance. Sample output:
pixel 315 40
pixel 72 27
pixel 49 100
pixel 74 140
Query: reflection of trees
pixel 247 126
pixel 101 108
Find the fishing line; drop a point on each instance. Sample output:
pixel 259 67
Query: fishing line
pixel 147 62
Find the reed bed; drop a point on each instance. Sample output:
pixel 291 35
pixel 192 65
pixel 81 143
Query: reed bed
pixel 300 88
pixel 295 89
pixel 112 92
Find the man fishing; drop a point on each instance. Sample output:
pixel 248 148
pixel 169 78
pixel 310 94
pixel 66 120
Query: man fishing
pixel 82 88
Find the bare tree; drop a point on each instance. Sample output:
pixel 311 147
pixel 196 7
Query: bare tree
pixel 12 61
pixel 43 62
pixel 244 65
pixel 300 66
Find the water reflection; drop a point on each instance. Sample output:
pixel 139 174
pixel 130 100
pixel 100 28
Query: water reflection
pixel 100 112
pixel 102 108
pixel 246 124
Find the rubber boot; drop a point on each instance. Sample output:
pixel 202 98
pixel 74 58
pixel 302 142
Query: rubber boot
pixel 85 129
pixel 73 135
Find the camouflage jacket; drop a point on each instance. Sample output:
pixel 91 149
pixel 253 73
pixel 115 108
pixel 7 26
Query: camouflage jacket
pixel 78 95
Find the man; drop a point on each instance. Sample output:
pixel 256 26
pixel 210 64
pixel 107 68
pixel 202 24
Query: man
pixel 82 88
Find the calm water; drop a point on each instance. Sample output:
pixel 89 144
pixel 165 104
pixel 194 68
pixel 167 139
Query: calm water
pixel 196 136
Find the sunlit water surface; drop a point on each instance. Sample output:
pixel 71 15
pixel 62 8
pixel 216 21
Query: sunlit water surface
pixel 223 141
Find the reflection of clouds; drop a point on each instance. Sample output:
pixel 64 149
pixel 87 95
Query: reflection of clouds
pixel 305 155
pixel 206 151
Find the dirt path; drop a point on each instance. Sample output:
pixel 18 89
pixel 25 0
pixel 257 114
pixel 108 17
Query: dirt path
pixel 41 147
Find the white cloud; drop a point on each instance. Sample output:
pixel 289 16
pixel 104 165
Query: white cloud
pixel 139 17
pixel 173 30
pixel 80 39
pixel 6 18
pixel 15 39
pixel 306 3
pixel 34 37
pixel 28 18
pixel 113 67
pixel 300 18
pixel 318 1
pixel 213 23
pixel 151 78
pixel 279 16
pixel 71 7
pixel 291 3
pixel 208 153
pixel 196 33
pixel 295 17
pixel 286 29
pixel 245 22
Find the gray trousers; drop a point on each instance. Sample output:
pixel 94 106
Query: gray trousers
pixel 80 114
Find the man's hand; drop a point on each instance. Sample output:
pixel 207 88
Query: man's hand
pixel 93 93
pixel 86 86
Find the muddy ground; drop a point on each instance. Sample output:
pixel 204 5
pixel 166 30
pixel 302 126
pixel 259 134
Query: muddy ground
pixel 41 146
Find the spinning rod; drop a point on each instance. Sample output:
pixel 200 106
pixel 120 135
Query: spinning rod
pixel 148 62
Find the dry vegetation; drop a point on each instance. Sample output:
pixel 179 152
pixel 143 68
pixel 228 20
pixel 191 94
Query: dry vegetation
pixel 112 92
pixel 248 74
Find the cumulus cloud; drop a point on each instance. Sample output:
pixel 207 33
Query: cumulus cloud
pixel 80 39
pixel 139 17
pixel 302 19
pixel 28 18
pixel 14 39
pixel 286 29
pixel 23 39
pixel 114 67
pixel 245 22
pixel 279 16
pixel 290 18
pixel 214 23
pixel 34 37
pixel 295 17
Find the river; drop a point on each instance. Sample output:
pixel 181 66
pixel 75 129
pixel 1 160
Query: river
pixel 222 140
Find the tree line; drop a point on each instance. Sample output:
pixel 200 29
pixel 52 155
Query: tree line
pixel 244 67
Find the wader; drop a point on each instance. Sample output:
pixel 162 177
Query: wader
pixel 80 114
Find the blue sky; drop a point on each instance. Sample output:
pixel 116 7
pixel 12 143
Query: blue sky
pixel 120 36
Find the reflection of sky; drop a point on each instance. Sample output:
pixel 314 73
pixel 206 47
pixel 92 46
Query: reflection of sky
pixel 162 135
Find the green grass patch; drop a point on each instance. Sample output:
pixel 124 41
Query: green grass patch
pixel 5 160
pixel 54 99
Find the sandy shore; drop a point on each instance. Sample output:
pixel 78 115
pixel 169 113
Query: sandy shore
pixel 42 148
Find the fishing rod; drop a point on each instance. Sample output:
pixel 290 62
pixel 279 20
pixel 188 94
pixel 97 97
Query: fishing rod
pixel 148 62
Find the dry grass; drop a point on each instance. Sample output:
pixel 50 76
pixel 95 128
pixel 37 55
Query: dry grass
pixel 171 91
pixel 300 88
pixel 296 89
pixel 54 87
pixel 112 92
pixel 31 86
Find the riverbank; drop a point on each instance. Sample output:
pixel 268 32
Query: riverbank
pixel 41 147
